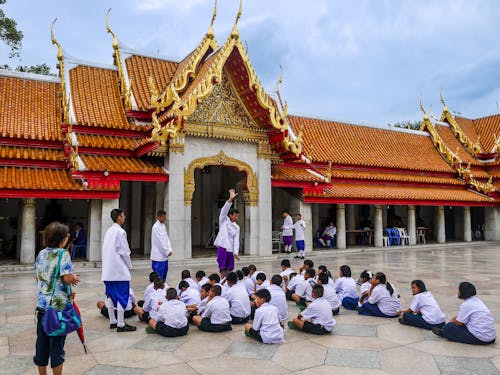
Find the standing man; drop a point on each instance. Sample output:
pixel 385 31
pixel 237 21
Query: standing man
pixel 116 267
pixel 300 226
pixel 228 238
pixel 161 248
pixel 287 229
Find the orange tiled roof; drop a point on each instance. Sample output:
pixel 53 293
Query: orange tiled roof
pixel 454 144
pixel 467 126
pixel 96 98
pixel 30 109
pixel 102 141
pixel 487 127
pixel 37 178
pixel 387 192
pixel 122 164
pixel 12 152
pixel 349 144
pixel 280 172
pixel 139 70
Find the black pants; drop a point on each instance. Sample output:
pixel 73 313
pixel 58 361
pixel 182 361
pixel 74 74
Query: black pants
pixel 289 295
pixel 127 313
pixel 168 331
pixel 48 347
pixel 255 334
pixel 236 320
pixel 206 325
pixel 314 329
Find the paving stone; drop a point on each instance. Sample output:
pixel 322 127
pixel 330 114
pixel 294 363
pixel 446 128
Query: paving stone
pixel 353 330
pixel 300 355
pixel 111 370
pixel 251 349
pixel 136 358
pixel 160 343
pixel 465 366
pixel 352 358
pixel 14 365
pixel 181 369
pixel 237 366
pixel 404 360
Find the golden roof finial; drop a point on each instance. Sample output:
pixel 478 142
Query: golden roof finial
pixel 235 33
pixel 280 80
pixel 54 41
pixel 210 31
pixel 110 31
pixel 445 108
pixel 423 110
pixel 60 58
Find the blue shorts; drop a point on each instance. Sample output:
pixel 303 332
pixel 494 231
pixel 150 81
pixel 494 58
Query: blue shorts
pixel 118 291
pixel 300 245
pixel 161 268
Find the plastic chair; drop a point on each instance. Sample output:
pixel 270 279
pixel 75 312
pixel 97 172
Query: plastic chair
pixel 420 236
pixel 277 240
pixel 83 248
pixel 405 238
pixel 390 236
pixel 396 237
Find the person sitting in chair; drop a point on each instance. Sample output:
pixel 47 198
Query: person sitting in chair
pixel 328 235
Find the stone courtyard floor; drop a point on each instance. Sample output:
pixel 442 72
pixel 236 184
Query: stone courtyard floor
pixel 358 345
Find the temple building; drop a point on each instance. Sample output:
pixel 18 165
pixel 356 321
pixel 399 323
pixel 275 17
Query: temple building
pixel 147 133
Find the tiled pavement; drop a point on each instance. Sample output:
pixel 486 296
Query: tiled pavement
pixel 359 345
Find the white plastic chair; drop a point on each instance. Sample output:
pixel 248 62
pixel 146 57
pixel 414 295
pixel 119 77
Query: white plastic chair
pixel 421 236
pixel 385 241
pixel 277 239
pixel 405 238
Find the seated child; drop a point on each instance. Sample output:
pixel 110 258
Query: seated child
pixel 278 298
pixel 308 263
pixel 237 297
pixel 199 308
pixel 317 318
pixel 324 269
pixel 364 281
pixel 129 310
pixel 186 276
pixel 424 311
pixel 345 286
pixel 286 269
pixel 216 316
pixel 303 291
pixel 152 276
pixel 291 284
pixel 240 275
pixel 474 323
pixel 266 326
pixel 214 279
pixel 201 279
pixel 171 318
pixel 261 282
pixel 247 280
pixel 383 299
pixel 329 293
pixel 188 295
pixel 152 302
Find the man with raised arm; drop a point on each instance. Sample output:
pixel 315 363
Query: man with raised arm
pixel 228 238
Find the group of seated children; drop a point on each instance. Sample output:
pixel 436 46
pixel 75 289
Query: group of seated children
pixel 216 302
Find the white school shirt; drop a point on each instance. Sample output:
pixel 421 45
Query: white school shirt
pixel 346 287
pixel 267 322
pixel 192 284
pixel 288 226
pixel 202 282
pixel 426 304
pixel 229 232
pixel 202 305
pixel 173 314
pixel 278 300
pixel 237 298
pixel 365 287
pixel 249 285
pixel 264 285
pixel 153 300
pixel 477 318
pixel 388 304
pixel 320 313
pixel 131 299
pixel 160 242
pixel 217 310
pixel 116 263
pixel 332 297
pixel 149 289
pixel 299 226
pixel 287 272
pixel 304 289
pixel 330 231
pixel 292 284
pixel 190 296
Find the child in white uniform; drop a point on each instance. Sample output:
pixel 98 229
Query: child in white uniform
pixel 424 311
pixel 317 318
pixel 152 276
pixel 346 287
pixel 171 318
pixel 216 317
pixel 152 302
pixel 474 323
pixel 237 297
pixel 383 299
pixel 129 310
pixel 201 279
pixel 188 295
pixel 329 293
pixel 303 291
pixel 186 276
pixel 278 298
pixel 266 326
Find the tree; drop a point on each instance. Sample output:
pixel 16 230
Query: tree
pixel 412 125
pixel 9 34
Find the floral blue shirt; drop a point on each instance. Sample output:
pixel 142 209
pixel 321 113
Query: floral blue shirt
pixel 45 266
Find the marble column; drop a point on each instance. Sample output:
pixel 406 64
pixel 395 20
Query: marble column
pixel 95 219
pixel 28 231
pixel 107 206
pixel 441 229
pixel 340 237
pixel 149 190
pixel 306 211
pixel 412 227
pixel 351 223
pixel 467 225
pixel 492 224
pixel 379 227
pixel 264 226
pixel 384 216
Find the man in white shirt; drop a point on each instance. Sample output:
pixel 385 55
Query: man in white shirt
pixel 161 248
pixel 237 297
pixel 216 316
pixel 228 238
pixel 171 318
pixel 116 265
pixel 300 226
pixel 317 318
pixel 287 229
pixel 266 326
pixel 328 234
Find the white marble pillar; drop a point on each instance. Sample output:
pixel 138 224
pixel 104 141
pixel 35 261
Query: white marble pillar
pixel 492 224
pixel 412 226
pixel 351 223
pixel 264 225
pixel 384 216
pixel 306 211
pixel 149 190
pixel 467 225
pixel 340 240
pixel 95 219
pixel 379 227
pixel 441 229
pixel 28 231
pixel 107 206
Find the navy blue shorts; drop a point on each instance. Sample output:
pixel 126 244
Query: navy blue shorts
pixel 48 347
pixel 300 245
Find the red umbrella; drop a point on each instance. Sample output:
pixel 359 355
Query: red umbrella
pixel 79 331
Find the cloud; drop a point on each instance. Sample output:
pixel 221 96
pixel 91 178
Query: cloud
pixel 151 5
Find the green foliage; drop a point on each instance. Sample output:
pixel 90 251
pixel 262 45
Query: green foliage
pixel 412 125
pixel 9 33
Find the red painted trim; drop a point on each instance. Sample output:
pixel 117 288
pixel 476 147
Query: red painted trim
pixel 34 163
pixel 19 142
pixel 392 183
pixel 139 115
pixel 144 149
pixel 110 131
pixel 396 202
pixel 105 151
pixel 298 184
pixel 61 194
pixel 119 176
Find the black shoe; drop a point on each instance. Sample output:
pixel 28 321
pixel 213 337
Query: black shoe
pixel 113 326
pixel 296 257
pixel 437 331
pixel 302 257
pixel 126 328
pixel 401 321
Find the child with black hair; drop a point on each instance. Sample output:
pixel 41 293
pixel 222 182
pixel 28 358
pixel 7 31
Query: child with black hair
pixel 216 317
pixel 474 323
pixel 247 281
pixel 286 269
pixel 261 282
pixel 214 279
pixel 291 285
pixel 150 288
pixel 266 326
pixel 308 263
pixel 354 303
pixel 152 302
pixel 329 293
pixel 188 295
pixel 171 318
pixel 240 275
pixel 278 298
pixel 424 311
pixel 198 309
pixel 345 286
pixel 237 297
pixel 201 279
pixel 324 269
pixel 317 318
pixel 383 299
pixel 186 276
pixel 303 291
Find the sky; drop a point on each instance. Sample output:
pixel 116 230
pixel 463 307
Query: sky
pixel 361 61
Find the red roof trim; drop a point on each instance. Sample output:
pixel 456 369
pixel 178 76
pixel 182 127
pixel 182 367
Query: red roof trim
pixel 297 184
pixel 139 115
pixel 391 183
pixel 61 194
pixel 100 178
pixel 397 202
pixel 106 131
pixel 104 151
pixel 144 149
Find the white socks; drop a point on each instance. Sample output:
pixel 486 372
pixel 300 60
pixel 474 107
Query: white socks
pixel 121 315
pixel 111 311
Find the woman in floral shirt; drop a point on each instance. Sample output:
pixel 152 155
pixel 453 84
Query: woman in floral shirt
pixel 56 238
